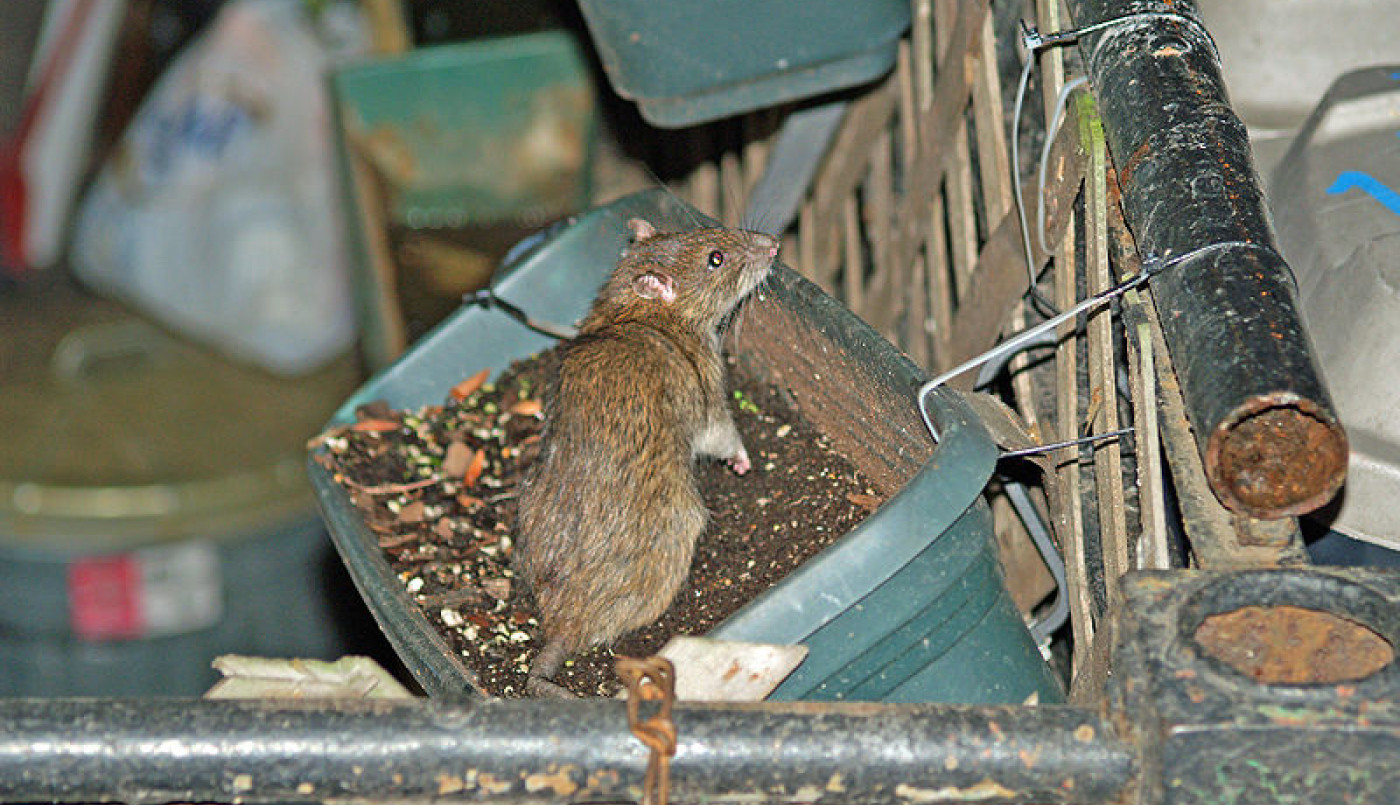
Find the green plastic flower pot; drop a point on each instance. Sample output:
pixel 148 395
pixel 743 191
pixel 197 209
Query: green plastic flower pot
pixel 908 606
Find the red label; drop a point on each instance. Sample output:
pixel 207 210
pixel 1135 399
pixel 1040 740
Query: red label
pixel 104 598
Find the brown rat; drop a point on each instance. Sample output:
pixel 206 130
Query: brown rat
pixel 611 511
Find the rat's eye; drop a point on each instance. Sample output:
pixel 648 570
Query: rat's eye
pixel 716 258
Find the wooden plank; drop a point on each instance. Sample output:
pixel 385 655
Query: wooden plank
pixel 386 334
pixel 853 265
pixel 938 130
pixel 888 287
pixel 1051 75
pixel 1067 427
pixel 806 257
pixel 702 188
pixel 388 27
pixel 918 342
pixel 957 176
pixel 733 196
pixel 908 109
pixel 820 244
pixel 1153 552
pixel 993 157
pixel 759 131
pixel 1001 272
pixel 1103 385
pixel 845 163
pixel 940 287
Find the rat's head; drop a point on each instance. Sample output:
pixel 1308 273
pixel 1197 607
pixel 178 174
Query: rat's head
pixel 696 276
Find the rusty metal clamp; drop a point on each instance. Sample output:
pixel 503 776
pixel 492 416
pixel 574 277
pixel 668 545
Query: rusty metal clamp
pixel 652 679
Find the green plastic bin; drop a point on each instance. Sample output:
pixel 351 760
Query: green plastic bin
pixel 153 511
pixel 476 132
pixel 467 147
pixel 909 606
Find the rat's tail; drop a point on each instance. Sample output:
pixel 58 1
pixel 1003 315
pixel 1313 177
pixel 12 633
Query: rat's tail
pixel 545 666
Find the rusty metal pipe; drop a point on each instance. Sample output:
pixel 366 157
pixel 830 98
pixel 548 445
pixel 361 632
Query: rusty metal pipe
pixel 152 751
pixel 1265 425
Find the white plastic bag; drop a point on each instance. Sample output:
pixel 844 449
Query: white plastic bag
pixel 218 213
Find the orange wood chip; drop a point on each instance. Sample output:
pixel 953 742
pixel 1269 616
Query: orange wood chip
pixel 374 426
pixel 468 387
pixel 474 469
pixel 527 408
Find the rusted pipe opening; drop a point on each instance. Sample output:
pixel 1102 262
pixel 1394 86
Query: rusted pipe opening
pixel 1293 628
pixel 1290 645
pixel 1280 460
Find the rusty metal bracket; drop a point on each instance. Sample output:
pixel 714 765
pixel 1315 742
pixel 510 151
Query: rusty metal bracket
pixel 652 679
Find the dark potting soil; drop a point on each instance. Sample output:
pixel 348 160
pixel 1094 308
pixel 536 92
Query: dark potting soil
pixel 438 485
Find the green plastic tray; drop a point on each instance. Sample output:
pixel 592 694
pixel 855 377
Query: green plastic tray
pixel 686 62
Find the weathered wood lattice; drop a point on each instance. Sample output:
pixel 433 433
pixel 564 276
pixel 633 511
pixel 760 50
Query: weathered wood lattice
pixel 911 220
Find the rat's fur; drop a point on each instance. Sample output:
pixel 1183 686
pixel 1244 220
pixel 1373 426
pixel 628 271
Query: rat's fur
pixel 611 512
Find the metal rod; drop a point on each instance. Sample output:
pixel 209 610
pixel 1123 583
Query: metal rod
pixel 165 750
pixel 1265 425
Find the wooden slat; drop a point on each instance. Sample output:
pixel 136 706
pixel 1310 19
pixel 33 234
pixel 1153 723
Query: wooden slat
pixel 921 43
pixel 993 158
pixel 940 287
pixel 702 188
pixel 1001 272
pixel 918 342
pixel 1067 427
pixel 938 130
pixel 852 267
pixel 957 177
pixel 821 248
pixel 759 130
pixel 805 259
pixel 1108 462
pixel 849 153
pixel 732 193
pixel 1051 75
pixel 386 334
pixel 1153 552
pixel 1152 547
pixel 889 285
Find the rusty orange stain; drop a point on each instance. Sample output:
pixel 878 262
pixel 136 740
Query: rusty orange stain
pixel 556 779
pixel 1028 758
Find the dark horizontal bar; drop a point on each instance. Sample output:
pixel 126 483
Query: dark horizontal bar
pixel 153 751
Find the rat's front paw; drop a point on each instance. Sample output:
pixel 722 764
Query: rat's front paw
pixel 739 462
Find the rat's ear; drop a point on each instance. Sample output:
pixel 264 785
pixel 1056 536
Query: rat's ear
pixel 641 229
pixel 653 285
